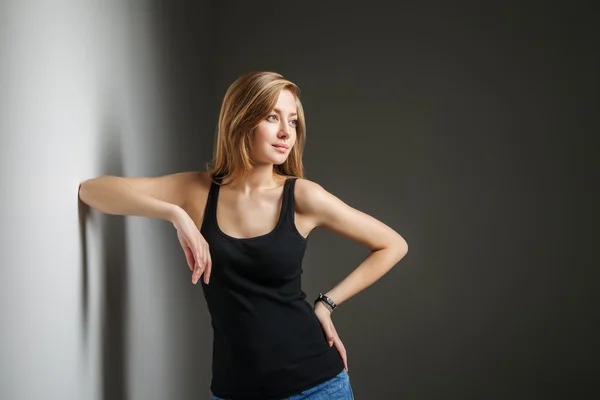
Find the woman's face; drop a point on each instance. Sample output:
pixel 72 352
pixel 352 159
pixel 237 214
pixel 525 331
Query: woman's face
pixel 273 138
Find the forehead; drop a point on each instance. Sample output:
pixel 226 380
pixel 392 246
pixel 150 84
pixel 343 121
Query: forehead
pixel 286 101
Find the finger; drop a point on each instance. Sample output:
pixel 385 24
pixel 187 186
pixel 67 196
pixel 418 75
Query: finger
pixel 340 346
pixel 329 334
pixel 196 276
pixel 204 255
pixel 342 350
pixel 200 267
pixel 203 258
pixel 194 273
pixel 208 269
pixel 198 255
pixel 197 272
pixel 189 257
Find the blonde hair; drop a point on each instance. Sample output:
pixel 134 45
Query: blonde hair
pixel 247 102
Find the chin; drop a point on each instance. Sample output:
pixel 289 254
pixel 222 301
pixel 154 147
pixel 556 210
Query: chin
pixel 278 160
pixel 274 161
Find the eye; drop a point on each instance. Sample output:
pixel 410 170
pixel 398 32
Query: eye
pixel 295 121
pixel 272 115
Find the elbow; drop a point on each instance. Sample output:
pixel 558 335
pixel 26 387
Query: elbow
pixel 400 247
pixel 84 189
pixel 81 191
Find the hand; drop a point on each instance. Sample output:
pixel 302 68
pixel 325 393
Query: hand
pixel 194 246
pixel 324 316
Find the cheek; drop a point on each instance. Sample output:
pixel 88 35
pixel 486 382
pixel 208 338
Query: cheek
pixel 265 135
pixel 259 140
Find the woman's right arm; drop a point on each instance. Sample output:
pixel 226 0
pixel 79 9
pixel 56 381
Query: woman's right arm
pixel 153 197
pixel 163 197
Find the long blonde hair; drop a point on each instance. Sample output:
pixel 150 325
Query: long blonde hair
pixel 247 102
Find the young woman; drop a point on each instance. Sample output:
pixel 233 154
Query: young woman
pixel 243 225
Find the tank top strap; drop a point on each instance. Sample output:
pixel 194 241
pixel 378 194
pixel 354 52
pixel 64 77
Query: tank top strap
pixel 287 207
pixel 211 206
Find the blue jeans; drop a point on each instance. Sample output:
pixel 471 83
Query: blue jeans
pixel 336 388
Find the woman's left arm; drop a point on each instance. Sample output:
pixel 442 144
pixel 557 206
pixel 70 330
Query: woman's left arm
pixel 386 245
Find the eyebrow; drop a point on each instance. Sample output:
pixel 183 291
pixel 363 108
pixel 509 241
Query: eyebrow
pixel 279 111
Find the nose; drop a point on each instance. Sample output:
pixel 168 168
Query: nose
pixel 285 129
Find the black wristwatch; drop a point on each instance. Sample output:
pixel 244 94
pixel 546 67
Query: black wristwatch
pixel 330 304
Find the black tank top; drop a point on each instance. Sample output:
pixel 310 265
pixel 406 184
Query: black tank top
pixel 267 340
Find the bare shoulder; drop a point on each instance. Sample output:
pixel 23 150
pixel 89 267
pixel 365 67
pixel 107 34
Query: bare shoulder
pixel 200 180
pixel 308 198
pixel 310 188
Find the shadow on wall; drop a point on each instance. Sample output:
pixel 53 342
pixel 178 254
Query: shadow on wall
pixel 113 292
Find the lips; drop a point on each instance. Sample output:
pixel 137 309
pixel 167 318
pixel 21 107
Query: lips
pixel 281 146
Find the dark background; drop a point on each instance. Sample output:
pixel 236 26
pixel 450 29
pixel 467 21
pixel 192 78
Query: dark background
pixel 467 128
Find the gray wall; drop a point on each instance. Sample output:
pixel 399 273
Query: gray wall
pixel 465 129
pixel 99 307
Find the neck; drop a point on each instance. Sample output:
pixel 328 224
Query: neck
pixel 263 177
